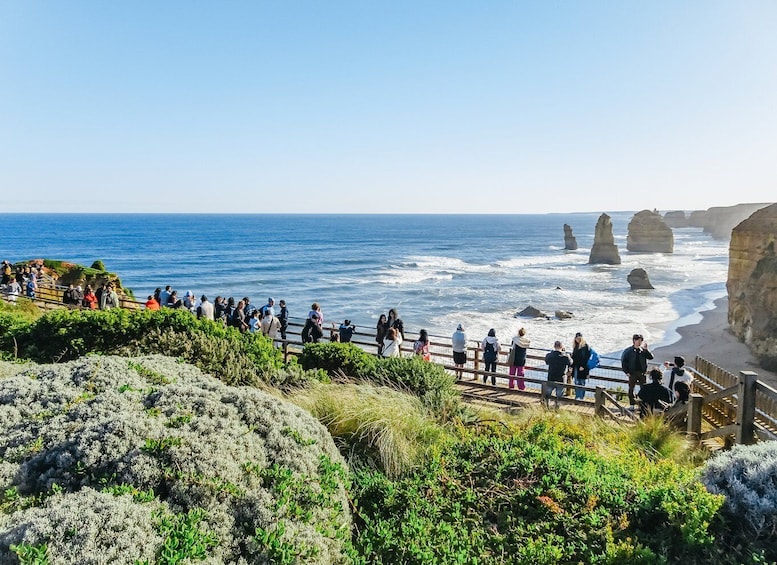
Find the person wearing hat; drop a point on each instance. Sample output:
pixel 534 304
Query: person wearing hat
pixel 205 309
pixel 654 397
pixel 459 346
pixel 634 363
pixel 269 307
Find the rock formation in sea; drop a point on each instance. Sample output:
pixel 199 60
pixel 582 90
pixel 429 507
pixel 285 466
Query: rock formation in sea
pixel 752 284
pixel 531 312
pixel 638 279
pixel 570 243
pixel 649 234
pixel 604 250
pixel 676 219
pixel 564 314
pixel 720 220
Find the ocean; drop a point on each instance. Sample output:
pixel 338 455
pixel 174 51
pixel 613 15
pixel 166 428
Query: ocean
pixel 436 270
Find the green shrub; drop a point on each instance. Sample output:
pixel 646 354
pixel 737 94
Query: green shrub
pixel 535 495
pixel 235 358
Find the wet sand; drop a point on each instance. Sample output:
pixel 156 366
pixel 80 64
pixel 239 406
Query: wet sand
pixel 712 339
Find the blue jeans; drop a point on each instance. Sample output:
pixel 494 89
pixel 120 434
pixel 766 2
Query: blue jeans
pixel 579 392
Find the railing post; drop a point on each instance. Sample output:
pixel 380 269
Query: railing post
pixel 599 401
pixel 746 408
pixel 476 361
pixel 695 402
pixel 285 351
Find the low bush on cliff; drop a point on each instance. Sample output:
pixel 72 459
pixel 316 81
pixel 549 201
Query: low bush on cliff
pixel 64 335
pixel 542 494
pixel 147 460
pixel 747 477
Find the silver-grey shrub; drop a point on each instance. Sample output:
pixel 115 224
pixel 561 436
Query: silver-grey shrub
pixel 747 476
pixel 267 475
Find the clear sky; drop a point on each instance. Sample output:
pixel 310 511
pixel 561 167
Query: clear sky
pixel 387 107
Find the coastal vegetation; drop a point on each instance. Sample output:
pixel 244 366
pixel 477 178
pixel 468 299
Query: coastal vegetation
pixel 129 449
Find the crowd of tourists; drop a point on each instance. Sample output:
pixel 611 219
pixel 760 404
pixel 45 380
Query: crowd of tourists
pixel 563 367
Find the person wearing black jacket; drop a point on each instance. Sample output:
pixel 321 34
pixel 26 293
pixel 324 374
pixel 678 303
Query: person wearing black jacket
pixel 634 364
pixel 558 361
pixel 654 397
pixel 581 353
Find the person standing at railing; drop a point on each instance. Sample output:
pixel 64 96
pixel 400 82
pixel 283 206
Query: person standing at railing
pixel 151 303
pixel 32 285
pixel 421 346
pixel 679 379
pixel 381 329
pixel 557 360
pixel 634 363
pixel 392 344
pixel 283 318
pixel 164 296
pixel 205 310
pixel 90 299
pixel 519 345
pixel 109 298
pixel 13 289
pixel 581 353
pixel 459 347
pixel 345 331
pixel 394 321
pixel 6 273
pixel 490 347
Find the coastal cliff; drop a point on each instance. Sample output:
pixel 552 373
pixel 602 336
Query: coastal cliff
pixel 649 234
pixel 752 284
pixel 718 221
pixel 604 250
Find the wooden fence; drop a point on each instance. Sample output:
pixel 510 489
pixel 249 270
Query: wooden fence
pixel 737 408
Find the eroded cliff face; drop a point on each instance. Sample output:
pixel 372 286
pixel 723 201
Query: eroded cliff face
pixel 752 284
pixel 649 234
pixel 718 221
pixel 604 249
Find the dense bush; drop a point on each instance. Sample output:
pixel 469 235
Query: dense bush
pixel 428 381
pixel 199 469
pixel 747 477
pixel 541 495
pixel 64 335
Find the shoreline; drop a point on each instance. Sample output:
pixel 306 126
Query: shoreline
pixel 711 338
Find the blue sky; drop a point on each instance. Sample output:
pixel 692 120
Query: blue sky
pixel 393 107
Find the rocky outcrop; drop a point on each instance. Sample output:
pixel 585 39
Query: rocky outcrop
pixel 564 314
pixel 720 220
pixel 752 284
pixel 531 312
pixel 638 279
pixel 676 219
pixel 570 243
pixel 649 234
pixel 604 250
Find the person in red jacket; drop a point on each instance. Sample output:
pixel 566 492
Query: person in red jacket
pixel 152 304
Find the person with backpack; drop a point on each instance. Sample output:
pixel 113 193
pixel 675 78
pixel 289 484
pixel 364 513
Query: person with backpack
pixel 312 332
pixel 490 347
pixel 581 355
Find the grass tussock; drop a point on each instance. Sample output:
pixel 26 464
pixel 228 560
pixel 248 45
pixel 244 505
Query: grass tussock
pixel 379 426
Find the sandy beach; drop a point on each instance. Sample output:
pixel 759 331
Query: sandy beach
pixel 712 339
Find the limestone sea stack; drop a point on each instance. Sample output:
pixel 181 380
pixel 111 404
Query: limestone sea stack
pixel 638 279
pixel 752 284
pixel 604 250
pixel 570 243
pixel 676 219
pixel 649 234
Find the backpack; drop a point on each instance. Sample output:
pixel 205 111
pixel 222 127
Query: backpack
pixel 489 353
pixel 593 360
